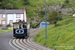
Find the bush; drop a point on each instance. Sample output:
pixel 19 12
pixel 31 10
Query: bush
pixel 26 2
pixel 32 25
pixel 66 1
pixel 1 25
pixel 53 17
pixel 8 25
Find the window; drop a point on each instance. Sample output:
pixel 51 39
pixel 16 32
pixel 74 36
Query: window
pixel 3 21
pixel 3 15
pixel 11 21
pixel 17 20
pixel 18 16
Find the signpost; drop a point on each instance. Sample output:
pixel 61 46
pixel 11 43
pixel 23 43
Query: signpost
pixel 45 23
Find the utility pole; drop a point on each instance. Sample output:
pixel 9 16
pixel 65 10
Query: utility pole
pixel 5 18
pixel 58 12
pixel 45 23
pixel 64 16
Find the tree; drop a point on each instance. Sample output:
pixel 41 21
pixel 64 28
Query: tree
pixel 0 0
pixel 53 17
pixel 9 6
pixel 32 25
pixel 8 25
pixel 26 2
pixel 66 1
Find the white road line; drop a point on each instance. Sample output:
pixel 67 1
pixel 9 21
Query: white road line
pixel 15 43
pixel 12 45
pixel 20 45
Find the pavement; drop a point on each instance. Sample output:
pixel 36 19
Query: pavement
pixel 4 41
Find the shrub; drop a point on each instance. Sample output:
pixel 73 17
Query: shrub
pixel 32 25
pixel 66 1
pixel 8 25
pixel 1 25
pixel 53 17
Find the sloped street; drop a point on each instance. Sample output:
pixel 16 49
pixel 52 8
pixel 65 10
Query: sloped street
pixel 7 43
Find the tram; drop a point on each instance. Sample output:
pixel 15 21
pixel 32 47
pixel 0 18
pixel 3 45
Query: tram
pixel 21 29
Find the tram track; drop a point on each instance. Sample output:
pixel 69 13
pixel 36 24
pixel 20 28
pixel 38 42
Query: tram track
pixel 28 44
pixel 33 47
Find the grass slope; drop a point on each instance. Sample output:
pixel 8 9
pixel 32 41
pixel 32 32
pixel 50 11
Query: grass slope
pixel 3 31
pixel 61 37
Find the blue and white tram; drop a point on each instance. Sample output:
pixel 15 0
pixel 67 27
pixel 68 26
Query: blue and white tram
pixel 21 29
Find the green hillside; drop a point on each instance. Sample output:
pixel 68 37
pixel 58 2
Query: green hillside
pixel 61 37
pixel 35 8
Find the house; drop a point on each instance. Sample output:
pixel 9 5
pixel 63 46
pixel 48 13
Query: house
pixel 42 24
pixel 10 16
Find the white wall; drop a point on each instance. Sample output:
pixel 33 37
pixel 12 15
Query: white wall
pixel 0 21
pixel 13 17
pixel 9 17
pixel 21 18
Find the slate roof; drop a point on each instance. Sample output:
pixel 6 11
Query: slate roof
pixel 16 11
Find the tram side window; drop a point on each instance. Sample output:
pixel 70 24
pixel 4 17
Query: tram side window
pixel 24 26
pixel 16 26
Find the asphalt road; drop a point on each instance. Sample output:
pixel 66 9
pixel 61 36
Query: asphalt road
pixel 6 37
pixel 4 41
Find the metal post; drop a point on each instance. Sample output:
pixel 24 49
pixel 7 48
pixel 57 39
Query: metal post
pixel 45 23
pixel 6 17
pixel 58 12
pixel 64 16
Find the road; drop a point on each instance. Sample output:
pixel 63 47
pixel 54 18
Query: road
pixel 4 41
pixel 7 43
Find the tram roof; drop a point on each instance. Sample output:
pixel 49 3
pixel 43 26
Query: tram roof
pixel 21 22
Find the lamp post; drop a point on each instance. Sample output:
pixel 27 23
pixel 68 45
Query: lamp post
pixel 45 22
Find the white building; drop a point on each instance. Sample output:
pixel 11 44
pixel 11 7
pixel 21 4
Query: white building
pixel 10 16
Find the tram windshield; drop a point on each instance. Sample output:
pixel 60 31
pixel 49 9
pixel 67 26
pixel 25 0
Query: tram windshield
pixel 21 25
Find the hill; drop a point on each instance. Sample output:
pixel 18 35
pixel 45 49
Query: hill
pixel 36 8
pixel 61 37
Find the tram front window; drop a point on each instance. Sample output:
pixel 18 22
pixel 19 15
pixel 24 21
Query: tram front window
pixel 19 25
pixel 24 26
pixel 16 26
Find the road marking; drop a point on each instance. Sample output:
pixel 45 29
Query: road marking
pixel 12 45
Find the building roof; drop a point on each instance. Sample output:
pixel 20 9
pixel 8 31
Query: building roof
pixel 16 11
pixel 44 22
